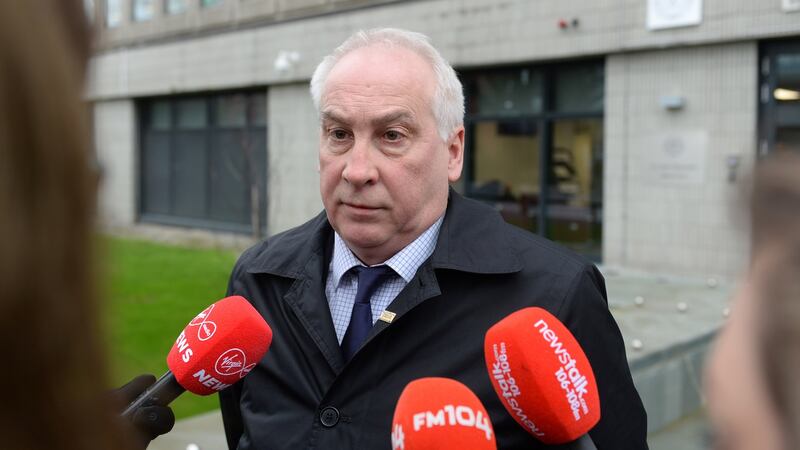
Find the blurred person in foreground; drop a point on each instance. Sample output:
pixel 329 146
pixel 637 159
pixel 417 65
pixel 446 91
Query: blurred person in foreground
pixel 53 368
pixel 754 370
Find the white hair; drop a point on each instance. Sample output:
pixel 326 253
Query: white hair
pixel 448 96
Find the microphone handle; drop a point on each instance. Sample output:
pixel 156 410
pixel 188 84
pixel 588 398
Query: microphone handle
pixel 584 443
pixel 162 392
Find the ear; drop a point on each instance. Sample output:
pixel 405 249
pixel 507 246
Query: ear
pixel 455 150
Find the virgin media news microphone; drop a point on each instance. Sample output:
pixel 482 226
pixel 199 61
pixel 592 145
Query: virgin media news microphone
pixel 440 414
pixel 542 377
pixel 215 350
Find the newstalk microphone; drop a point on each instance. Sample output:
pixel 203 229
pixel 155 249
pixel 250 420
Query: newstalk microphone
pixel 542 377
pixel 215 350
pixel 440 414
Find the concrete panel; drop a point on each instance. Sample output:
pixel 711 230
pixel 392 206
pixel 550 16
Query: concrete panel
pixel 672 388
pixel 664 223
pixel 115 137
pixel 469 33
pixel 293 191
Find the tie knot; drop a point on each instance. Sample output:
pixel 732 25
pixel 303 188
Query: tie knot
pixel 374 271
pixel 369 279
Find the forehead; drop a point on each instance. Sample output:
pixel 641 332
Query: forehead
pixel 379 78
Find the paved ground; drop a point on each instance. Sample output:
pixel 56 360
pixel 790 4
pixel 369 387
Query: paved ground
pixel 689 433
pixel 662 311
pixel 666 322
pixel 190 237
pixel 205 431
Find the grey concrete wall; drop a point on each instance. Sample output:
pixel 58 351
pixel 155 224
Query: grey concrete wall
pixel 293 148
pixel 670 385
pixel 680 227
pixel 225 15
pixel 469 33
pixel 115 141
pixel 683 229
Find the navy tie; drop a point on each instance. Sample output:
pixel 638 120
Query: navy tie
pixel 369 279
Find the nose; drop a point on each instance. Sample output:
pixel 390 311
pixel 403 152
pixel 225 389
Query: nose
pixel 360 169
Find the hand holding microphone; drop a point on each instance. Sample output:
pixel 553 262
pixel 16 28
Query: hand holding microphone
pixel 542 377
pixel 215 350
pixel 148 422
pixel 440 414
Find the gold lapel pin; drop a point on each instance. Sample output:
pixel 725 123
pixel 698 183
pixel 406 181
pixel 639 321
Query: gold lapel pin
pixel 387 316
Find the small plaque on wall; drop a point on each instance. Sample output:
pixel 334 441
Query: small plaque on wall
pixel 791 5
pixel 662 14
pixel 677 158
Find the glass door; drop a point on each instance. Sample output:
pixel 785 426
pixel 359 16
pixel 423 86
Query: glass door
pixel 574 213
pixel 505 169
pixel 779 126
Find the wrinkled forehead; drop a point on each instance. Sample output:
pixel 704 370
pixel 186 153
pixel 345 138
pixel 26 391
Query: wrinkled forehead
pixel 380 70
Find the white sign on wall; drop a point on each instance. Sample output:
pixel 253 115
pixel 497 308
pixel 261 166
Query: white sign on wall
pixel 677 158
pixel 663 14
pixel 791 5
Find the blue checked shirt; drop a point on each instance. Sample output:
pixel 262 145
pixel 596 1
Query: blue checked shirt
pixel 341 285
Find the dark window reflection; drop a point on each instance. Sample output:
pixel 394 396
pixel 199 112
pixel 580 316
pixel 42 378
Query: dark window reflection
pixel 204 170
pixel 507 92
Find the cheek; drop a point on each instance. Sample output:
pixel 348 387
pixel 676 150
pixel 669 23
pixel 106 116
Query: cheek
pixel 406 179
pixel 432 174
pixel 329 175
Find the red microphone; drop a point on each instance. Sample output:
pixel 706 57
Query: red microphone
pixel 542 376
pixel 215 350
pixel 440 414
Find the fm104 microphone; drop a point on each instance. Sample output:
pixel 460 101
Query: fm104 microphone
pixel 215 350
pixel 542 377
pixel 440 414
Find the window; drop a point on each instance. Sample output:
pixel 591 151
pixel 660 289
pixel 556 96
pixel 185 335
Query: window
pixel 203 159
pixel 507 93
pixel 176 6
pixel 779 118
pixel 143 10
pixel 206 3
pixel 113 13
pixel 535 149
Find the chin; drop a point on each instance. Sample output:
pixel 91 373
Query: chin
pixel 363 242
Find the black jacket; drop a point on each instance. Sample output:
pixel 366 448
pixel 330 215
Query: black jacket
pixel 481 270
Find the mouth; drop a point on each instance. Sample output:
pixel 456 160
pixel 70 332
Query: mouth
pixel 361 207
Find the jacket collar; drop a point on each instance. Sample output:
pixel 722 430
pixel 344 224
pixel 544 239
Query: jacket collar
pixel 289 254
pixel 473 238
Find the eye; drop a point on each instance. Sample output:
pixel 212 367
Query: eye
pixel 338 134
pixel 393 135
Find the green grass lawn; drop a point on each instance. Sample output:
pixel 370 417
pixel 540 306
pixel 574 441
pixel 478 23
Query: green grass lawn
pixel 153 291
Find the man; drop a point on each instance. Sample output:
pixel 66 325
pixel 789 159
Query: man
pixel 447 268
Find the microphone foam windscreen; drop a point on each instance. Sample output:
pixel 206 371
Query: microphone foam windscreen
pixel 542 376
pixel 440 414
pixel 219 346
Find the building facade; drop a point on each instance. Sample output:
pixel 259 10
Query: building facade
pixel 624 129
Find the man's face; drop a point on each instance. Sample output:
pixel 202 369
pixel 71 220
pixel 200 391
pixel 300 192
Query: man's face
pixel 384 169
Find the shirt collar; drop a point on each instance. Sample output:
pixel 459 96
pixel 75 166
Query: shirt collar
pixel 405 262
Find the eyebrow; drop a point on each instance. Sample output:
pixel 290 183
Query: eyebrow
pixel 394 116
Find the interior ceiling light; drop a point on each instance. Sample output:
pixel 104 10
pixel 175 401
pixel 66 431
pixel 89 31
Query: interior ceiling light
pixel 786 94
